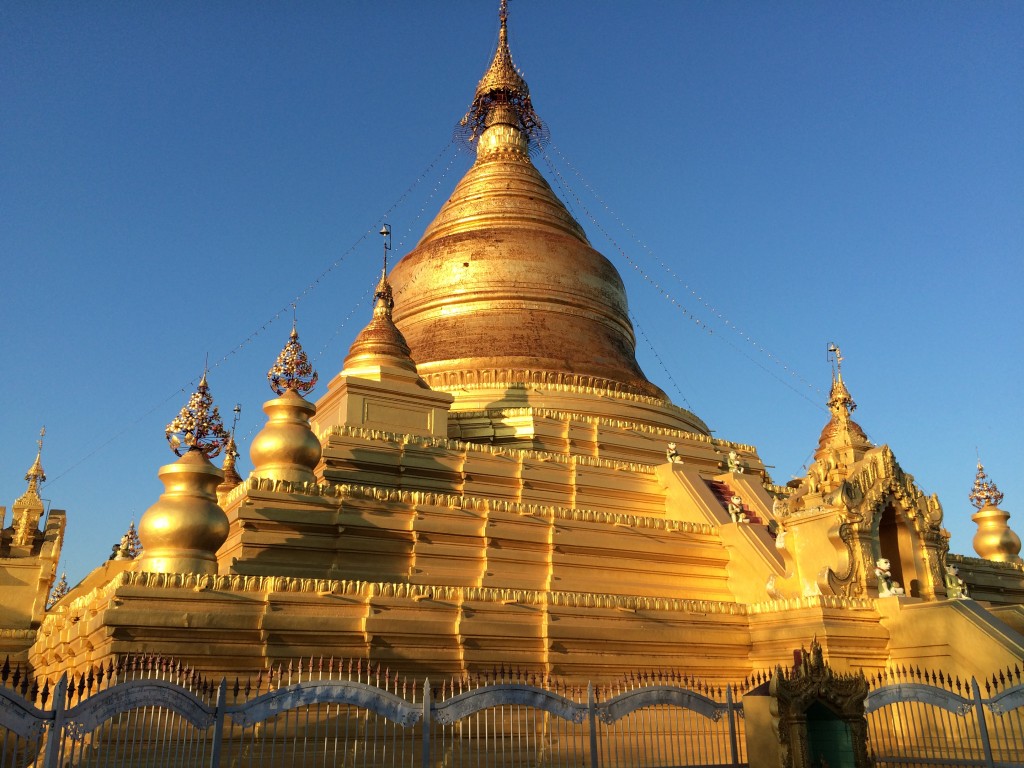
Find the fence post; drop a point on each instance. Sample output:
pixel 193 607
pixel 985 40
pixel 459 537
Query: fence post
pixel 218 727
pixel 730 711
pixel 427 706
pixel 60 700
pixel 592 714
pixel 982 725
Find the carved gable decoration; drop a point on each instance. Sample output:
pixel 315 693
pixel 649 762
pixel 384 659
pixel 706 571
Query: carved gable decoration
pixel 819 710
pixel 843 521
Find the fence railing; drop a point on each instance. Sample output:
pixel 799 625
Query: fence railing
pixel 368 718
pixel 928 718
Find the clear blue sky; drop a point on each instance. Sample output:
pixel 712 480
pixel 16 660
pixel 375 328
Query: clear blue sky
pixel 174 174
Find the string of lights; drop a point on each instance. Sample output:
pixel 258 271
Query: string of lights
pixel 668 269
pixel 664 368
pixel 286 310
pixel 563 183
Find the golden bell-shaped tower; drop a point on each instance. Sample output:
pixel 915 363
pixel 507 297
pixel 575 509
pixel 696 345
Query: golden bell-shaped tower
pixel 994 540
pixel 504 289
pixel 183 530
pixel 286 448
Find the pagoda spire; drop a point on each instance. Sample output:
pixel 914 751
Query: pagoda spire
pixel 35 475
pixel 231 477
pixel 380 342
pixel 841 433
pixel 28 508
pixel 502 95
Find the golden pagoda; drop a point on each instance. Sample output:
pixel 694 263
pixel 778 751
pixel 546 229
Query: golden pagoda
pixel 491 479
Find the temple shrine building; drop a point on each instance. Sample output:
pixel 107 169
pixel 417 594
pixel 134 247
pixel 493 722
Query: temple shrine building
pixel 491 479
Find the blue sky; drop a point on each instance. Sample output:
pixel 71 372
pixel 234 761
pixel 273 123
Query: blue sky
pixel 174 175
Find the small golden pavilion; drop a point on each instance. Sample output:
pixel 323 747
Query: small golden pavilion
pixel 492 480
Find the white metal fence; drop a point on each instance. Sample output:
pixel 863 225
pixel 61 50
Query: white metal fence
pixel 920 718
pixel 364 717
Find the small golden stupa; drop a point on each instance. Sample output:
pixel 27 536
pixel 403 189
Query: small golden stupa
pixel 994 540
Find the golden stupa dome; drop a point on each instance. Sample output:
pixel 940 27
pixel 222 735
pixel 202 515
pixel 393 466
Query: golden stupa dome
pixel 504 287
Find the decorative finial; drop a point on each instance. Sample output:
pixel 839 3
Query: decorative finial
pixel 502 86
pixel 834 354
pixel 291 370
pixel 839 398
pixel 985 493
pixel 59 590
pixel 385 232
pixel 35 475
pixel 198 425
pixel 130 547
pixel 231 454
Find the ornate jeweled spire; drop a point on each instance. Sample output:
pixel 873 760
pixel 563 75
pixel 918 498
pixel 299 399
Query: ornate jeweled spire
pixel 291 370
pixel 502 94
pixel 198 425
pixel 130 546
pixel 985 493
pixel 35 475
pixel 59 590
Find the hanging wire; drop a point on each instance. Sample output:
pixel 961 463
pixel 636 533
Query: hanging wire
pixel 286 310
pixel 664 368
pixel 564 185
pixel 667 268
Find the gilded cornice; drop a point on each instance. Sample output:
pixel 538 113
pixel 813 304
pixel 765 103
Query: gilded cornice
pixel 841 602
pixel 72 610
pixel 980 562
pixel 462 447
pixel 484 505
pixel 346 491
pixel 569 383
pixel 17 634
pixel 417 592
pixel 399 438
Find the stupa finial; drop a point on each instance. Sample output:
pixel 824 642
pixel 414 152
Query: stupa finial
pixel 383 296
pixel 839 398
pixel 231 454
pixel 60 589
pixel 129 547
pixel 502 89
pixel 984 493
pixel 35 475
pixel 198 425
pixel 292 370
